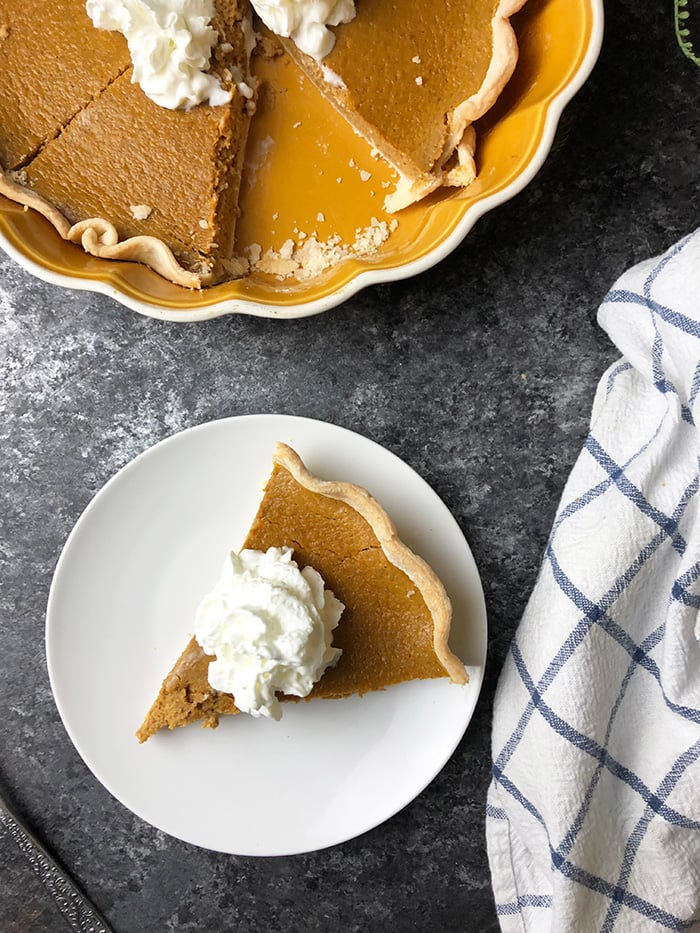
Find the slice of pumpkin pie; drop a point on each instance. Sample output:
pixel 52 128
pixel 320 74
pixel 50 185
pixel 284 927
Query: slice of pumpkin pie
pixel 397 616
pixel 413 77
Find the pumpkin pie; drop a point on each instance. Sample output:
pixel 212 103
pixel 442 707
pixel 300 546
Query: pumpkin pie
pixel 127 179
pixel 397 616
pixel 413 77
pixel 111 169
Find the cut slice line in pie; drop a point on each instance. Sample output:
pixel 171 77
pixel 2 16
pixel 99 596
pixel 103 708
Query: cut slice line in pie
pixel 113 171
pixel 397 616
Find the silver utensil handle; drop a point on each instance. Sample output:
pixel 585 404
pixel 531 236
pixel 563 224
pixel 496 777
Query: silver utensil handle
pixel 78 912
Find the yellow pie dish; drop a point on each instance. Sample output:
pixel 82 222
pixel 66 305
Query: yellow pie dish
pixel 319 180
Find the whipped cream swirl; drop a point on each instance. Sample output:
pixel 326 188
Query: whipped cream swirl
pixel 170 43
pixel 306 22
pixel 270 627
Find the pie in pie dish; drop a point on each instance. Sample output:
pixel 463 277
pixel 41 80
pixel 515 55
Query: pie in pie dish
pixel 127 179
pixel 397 617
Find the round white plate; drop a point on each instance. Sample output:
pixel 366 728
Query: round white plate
pixel 147 548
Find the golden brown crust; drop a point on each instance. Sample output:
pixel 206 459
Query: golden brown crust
pixel 13 190
pixel 99 237
pixel 399 554
pixel 503 61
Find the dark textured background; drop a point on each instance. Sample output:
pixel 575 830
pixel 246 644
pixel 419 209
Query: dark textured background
pixel 479 373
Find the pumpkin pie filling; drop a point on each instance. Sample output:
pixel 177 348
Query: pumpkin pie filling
pixel 397 616
pixel 41 89
pixel 185 194
pixel 142 182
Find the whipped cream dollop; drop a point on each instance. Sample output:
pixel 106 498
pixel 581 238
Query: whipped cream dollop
pixel 270 626
pixel 306 22
pixel 170 43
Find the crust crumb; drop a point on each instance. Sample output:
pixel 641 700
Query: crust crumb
pixel 140 211
pixel 307 256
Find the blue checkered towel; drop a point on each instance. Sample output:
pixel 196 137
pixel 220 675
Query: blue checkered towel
pixel 593 816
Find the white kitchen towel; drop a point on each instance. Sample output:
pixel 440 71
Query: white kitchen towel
pixel 593 814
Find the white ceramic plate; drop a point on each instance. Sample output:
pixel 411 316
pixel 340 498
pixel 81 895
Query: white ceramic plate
pixel 132 572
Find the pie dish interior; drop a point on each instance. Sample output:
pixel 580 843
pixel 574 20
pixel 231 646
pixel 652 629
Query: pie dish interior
pixel 314 180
